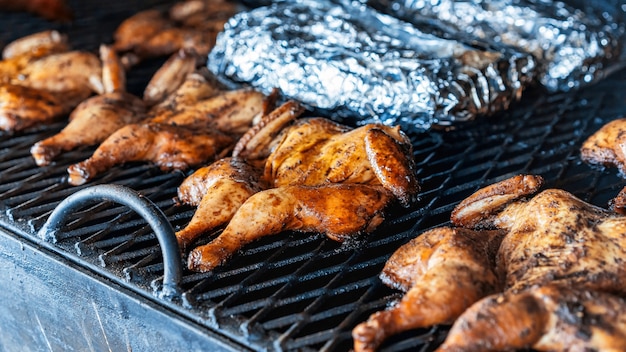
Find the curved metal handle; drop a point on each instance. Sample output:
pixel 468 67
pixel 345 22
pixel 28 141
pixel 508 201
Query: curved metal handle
pixel 172 269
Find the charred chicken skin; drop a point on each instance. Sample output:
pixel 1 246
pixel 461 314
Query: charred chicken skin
pixel 542 272
pixel 320 177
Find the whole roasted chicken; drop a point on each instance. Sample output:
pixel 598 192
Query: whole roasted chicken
pixel 518 271
pixel 307 175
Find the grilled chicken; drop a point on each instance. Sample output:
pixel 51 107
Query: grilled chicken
pixel 54 10
pixel 43 69
pixel 36 45
pixel 187 24
pixel 559 262
pixel 170 147
pixel 606 147
pixel 202 133
pixel 218 190
pixel 550 317
pixel 22 107
pixel 96 118
pixel 322 177
pixel 442 272
pixel 338 210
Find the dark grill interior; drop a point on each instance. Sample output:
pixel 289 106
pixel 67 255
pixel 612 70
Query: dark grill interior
pixel 294 291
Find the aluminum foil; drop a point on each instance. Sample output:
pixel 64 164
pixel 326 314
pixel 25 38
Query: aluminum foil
pixel 362 66
pixel 574 43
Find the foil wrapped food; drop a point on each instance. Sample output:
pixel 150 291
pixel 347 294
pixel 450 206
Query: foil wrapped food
pixel 574 44
pixel 351 61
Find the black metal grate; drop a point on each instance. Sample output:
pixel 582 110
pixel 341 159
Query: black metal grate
pixel 296 291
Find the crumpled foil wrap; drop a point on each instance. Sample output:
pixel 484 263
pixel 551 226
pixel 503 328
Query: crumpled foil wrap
pixel 414 63
pixel 362 66
pixel 575 44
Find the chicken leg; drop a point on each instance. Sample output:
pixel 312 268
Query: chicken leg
pixel 338 210
pixel 443 272
pixel 218 190
pixel 546 318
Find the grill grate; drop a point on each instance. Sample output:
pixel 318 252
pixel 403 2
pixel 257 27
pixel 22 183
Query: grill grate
pixel 296 291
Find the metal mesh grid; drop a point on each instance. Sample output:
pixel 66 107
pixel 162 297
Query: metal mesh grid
pixel 298 291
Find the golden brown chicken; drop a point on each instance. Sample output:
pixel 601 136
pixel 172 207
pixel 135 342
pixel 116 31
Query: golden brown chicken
pixel 219 190
pixel 607 146
pixel 51 80
pixel 558 265
pixel 93 120
pixel 322 177
pixel 96 118
pixel 54 10
pixel 187 24
pixel 201 133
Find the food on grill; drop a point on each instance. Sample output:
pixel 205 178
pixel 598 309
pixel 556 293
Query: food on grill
pixel 219 189
pixel 42 81
pixel 93 120
pixel 606 146
pixel 55 10
pixel 555 261
pixel 202 132
pixel 35 45
pixel 348 60
pixel 191 24
pixel 22 107
pixel 98 117
pixel 321 177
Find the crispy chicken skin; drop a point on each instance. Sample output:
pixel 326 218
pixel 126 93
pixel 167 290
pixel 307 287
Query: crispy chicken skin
pixel 169 147
pixel 218 190
pixel 338 210
pixel 196 135
pixel 191 24
pixel 321 177
pixel 559 263
pixel 443 272
pixel 607 146
pixel 93 120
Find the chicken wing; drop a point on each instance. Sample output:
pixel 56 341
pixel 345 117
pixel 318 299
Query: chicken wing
pixel 338 210
pixel 443 272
